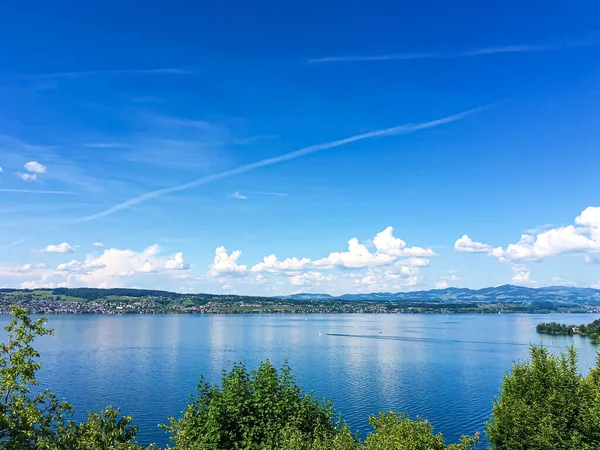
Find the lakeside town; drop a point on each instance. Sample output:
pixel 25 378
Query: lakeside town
pixel 129 301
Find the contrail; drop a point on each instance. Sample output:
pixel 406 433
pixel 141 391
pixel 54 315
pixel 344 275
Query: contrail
pixel 477 52
pixel 12 244
pixel 87 73
pixel 278 194
pixel 36 191
pixel 402 129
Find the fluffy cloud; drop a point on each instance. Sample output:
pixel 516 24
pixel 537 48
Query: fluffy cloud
pixel 392 264
pixel 63 247
pixel 177 262
pixel 35 167
pixel 16 271
pixel 239 196
pixel 442 284
pixel 369 279
pixel 467 245
pixel 522 275
pixel 357 256
pixel 309 278
pixel 583 239
pixel 387 244
pixel 113 268
pixel 225 265
pixel 114 265
pixel 27 176
pixel 98 244
pixel 270 264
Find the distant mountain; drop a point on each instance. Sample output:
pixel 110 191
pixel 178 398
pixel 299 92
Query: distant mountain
pixel 504 293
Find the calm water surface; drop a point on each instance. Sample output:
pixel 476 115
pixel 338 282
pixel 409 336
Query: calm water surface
pixel 446 368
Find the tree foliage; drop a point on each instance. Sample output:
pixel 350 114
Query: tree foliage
pixel 591 329
pixel 39 421
pixel 250 410
pixel 546 404
pixel 398 432
pixel 27 421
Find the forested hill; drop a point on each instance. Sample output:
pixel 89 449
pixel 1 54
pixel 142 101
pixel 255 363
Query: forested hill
pixel 502 299
pixel 505 293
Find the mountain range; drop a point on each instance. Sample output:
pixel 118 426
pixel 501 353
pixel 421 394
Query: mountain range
pixel 504 293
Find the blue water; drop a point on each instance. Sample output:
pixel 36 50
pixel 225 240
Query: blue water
pixel 446 368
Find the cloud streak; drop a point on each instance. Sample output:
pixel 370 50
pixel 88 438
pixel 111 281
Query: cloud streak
pixel 277 194
pixel 401 129
pixel 463 54
pixel 87 73
pixel 37 191
pixel 12 244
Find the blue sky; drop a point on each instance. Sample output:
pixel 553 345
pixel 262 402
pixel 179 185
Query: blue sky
pixel 176 145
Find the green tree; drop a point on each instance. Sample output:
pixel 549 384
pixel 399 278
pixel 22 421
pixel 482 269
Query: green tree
pixel 251 411
pixel 104 431
pixel 546 404
pixel 394 431
pixel 39 421
pixel 293 439
pixel 27 421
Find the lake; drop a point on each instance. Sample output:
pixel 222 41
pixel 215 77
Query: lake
pixel 446 368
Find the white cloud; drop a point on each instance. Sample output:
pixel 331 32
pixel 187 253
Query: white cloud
pixel 1 169
pixel 239 196
pixel 98 244
pixel 357 256
pixel 271 264
pixel 34 284
pixel 110 268
pixel 583 239
pixel 226 265
pixel 549 243
pixel 35 167
pixel 369 279
pixel 390 263
pixel 596 286
pixel 443 283
pixel 309 278
pixel 16 271
pixel 27 176
pixel 538 229
pixel 590 218
pixel 467 245
pixel 63 247
pixel 177 262
pixel 522 275
pixel 387 244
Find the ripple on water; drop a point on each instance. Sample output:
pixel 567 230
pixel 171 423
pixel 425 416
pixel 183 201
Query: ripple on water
pixel 445 370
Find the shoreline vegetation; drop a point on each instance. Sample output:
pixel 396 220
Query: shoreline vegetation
pixel 543 404
pixel 592 330
pixel 504 299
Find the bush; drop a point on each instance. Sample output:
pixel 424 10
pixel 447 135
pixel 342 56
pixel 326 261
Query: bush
pixel 398 432
pixel 546 404
pixel 250 411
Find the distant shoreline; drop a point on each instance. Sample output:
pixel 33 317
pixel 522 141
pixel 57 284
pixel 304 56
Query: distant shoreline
pixel 501 300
